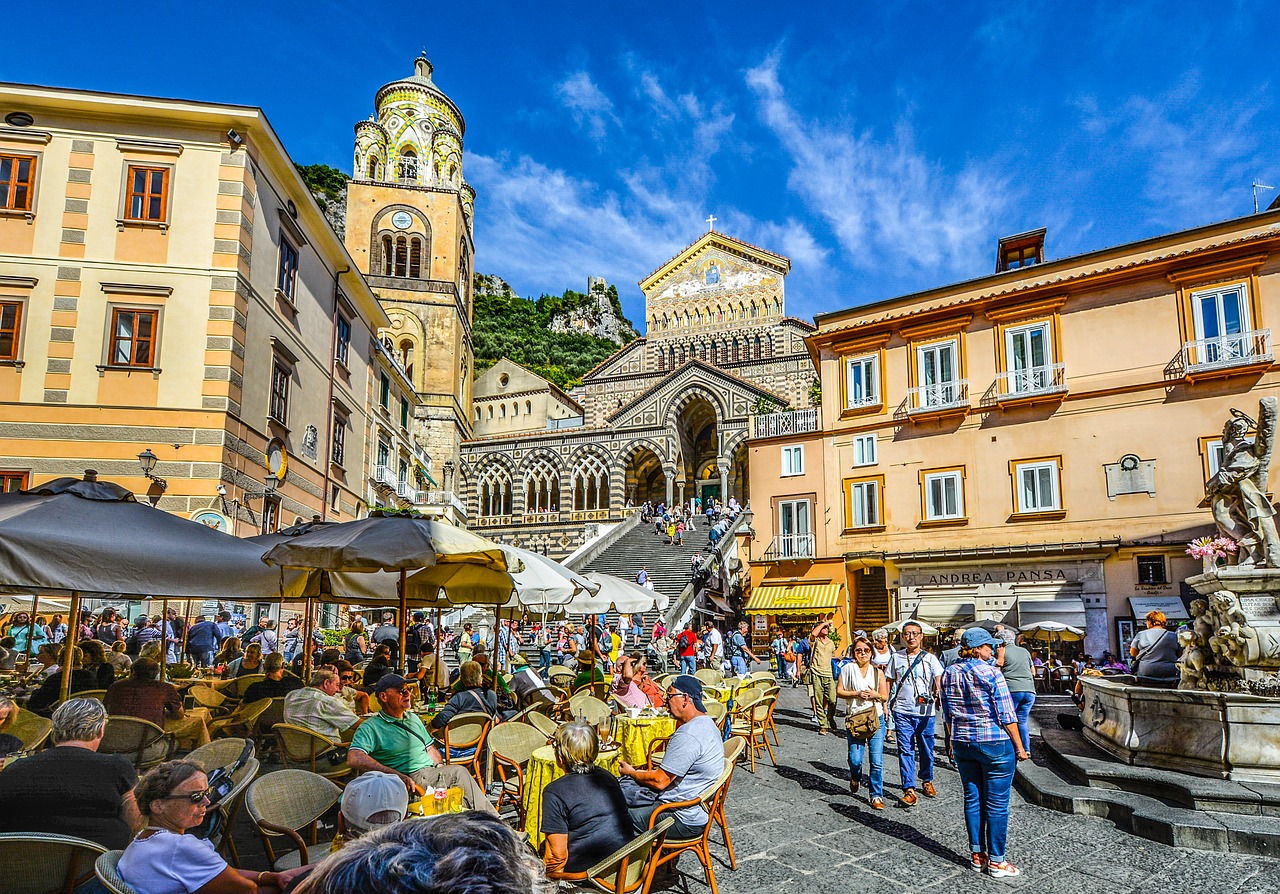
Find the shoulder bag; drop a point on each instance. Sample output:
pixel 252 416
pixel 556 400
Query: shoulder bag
pixel 864 723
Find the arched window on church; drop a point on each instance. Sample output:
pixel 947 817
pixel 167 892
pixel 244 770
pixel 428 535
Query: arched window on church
pixel 373 169
pixel 528 408
pixel 401 266
pixel 491 412
pixel 495 492
pixel 406 357
pixel 742 311
pixel 755 310
pixel 415 257
pixel 734 354
pixel 408 170
pixel 590 485
pixel 387 255
pixel 502 411
pixel 719 314
pixel 477 414
pixel 542 488
pixel 515 408
pixel 756 353
pixel 777 307
pixel 768 347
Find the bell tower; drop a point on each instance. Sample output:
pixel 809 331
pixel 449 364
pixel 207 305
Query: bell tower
pixel 409 228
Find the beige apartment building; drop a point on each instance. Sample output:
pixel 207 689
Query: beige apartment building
pixel 1030 445
pixel 176 313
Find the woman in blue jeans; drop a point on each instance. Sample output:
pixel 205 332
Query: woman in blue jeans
pixel 986 745
pixel 863 685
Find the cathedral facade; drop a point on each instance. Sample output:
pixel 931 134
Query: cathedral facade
pixel 664 419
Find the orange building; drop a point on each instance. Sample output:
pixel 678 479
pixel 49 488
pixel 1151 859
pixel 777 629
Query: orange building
pixel 1029 445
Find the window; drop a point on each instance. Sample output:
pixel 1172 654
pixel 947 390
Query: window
pixel 865 451
pixel 1020 257
pixel 270 514
pixel 1221 317
pixel 943 495
pixel 1036 484
pixel 1213 455
pixel 384 391
pixel 12 482
pixel 795 537
pixel 861 384
pixel 343 347
pixel 384 453
pixel 10 329
pixel 404 413
pixel 793 460
pixel 279 409
pixel 335 499
pixel 1151 571
pixel 133 335
pixel 495 492
pixel 403 477
pixel 862 503
pixel 339 439
pixel 17 182
pixel 542 488
pixel 287 274
pixel 1028 357
pixel 148 194
pixel 937 372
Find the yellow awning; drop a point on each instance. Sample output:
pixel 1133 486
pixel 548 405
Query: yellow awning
pixel 781 599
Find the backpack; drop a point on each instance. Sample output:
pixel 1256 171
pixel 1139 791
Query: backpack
pixel 353 653
pixel 734 645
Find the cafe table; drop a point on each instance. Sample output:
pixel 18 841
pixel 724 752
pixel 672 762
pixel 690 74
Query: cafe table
pixel 636 734
pixel 541 771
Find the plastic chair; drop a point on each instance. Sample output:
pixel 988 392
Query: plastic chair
pixel 32 863
pixel 107 869
pixel 630 868
pixel 283 803
pixel 306 749
pixel 140 740
pixel 596 711
pixel 512 744
pixel 542 723
pixel 463 740
pixel 31 728
pixel 241 721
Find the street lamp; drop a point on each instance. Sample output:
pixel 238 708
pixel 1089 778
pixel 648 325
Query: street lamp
pixel 148 460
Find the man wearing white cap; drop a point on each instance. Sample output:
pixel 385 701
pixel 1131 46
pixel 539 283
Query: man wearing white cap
pixel 372 801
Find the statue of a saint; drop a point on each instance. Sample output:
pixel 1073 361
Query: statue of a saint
pixel 1237 492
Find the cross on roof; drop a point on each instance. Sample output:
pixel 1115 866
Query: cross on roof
pixel 711 223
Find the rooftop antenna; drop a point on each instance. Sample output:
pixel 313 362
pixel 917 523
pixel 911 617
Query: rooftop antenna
pixel 1257 186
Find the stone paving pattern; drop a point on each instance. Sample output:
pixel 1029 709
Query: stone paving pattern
pixel 797 830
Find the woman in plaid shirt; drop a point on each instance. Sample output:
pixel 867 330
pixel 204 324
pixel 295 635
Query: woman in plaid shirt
pixel 986 746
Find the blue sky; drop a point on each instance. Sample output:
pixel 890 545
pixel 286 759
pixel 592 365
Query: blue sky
pixel 883 147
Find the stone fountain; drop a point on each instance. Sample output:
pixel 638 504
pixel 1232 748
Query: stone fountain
pixel 1224 718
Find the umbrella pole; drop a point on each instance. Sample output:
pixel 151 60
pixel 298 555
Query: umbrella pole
pixel 404 620
pixel 186 627
pixel 306 640
pixel 164 638
pixel 31 627
pixel 497 644
pixel 66 667
pixel 435 671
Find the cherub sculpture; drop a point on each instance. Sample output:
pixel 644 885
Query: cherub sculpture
pixel 1237 492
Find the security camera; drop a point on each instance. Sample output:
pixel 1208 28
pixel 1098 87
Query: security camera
pixel 222 490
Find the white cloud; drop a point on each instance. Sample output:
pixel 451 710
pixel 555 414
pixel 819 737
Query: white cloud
pixel 590 107
pixel 885 201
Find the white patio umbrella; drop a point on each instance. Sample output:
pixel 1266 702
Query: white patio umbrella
pixel 896 626
pixel 618 594
pixel 1053 630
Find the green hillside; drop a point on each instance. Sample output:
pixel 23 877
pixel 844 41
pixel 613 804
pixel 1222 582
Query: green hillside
pixel 509 326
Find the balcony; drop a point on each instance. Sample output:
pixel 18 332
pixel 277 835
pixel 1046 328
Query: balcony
pixel 405 490
pixel 787 547
pixel 1032 384
pixel 789 422
pixel 385 477
pixel 446 498
pixel 941 399
pixel 1225 354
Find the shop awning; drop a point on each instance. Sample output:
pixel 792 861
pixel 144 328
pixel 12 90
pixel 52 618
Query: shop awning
pixel 1064 611
pixel 1172 606
pixel 945 612
pixel 781 599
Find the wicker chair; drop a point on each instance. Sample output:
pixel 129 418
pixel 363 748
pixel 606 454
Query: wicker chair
pixel 241 721
pixel 560 672
pixel 542 723
pixel 31 728
pixel 771 693
pixel 218 753
pixel 140 740
pixel 732 751
pixel 595 710
pixel 107 869
pixel 236 688
pixel 709 676
pixel 42 863
pixel 630 868
pixel 285 802
pixel 306 749
pixel 223 753
pixel 595 690
pixel 751 722
pixel 97 695
pixel 512 744
pixel 272 714
pixel 208 697
pixel 717 712
pixel 465 734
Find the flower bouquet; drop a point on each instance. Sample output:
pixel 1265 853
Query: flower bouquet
pixel 1211 551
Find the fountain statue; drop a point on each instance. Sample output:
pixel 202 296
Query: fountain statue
pixel 1224 718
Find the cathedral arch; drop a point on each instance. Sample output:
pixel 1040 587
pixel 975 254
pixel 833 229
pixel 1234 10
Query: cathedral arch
pixel 590 482
pixel 493 491
pixel 541 480
pixel 393 249
pixel 408 351
pixel 407 165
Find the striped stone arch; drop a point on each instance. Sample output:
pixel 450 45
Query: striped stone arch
pixel 592 482
pixel 686 394
pixel 733 441
pixel 632 447
pixel 540 485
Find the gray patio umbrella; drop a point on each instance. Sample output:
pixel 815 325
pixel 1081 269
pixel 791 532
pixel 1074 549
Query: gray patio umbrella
pixel 72 536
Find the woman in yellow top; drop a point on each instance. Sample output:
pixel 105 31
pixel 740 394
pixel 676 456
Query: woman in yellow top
pixel 615 646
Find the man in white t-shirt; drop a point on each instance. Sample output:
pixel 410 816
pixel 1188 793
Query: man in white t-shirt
pixel 916 677
pixel 714 641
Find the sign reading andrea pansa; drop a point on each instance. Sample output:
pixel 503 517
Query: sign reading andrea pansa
pixel 996 574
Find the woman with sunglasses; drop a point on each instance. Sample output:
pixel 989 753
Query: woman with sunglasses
pixel 163 859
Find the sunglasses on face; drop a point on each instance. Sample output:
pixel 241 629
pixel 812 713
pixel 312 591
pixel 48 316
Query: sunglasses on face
pixel 347 678
pixel 193 797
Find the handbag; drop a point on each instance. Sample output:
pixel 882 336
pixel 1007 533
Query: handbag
pixel 865 722
pixel 789 657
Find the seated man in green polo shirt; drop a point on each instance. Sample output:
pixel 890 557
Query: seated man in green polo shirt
pixel 395 741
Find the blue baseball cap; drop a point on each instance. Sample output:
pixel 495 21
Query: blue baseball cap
pixel 977 636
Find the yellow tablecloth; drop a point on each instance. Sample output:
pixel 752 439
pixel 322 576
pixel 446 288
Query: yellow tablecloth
pixel 635 735
pixel 541 772
pixel 192 729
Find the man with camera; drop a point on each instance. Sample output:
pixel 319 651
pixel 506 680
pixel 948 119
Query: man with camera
pixel 915 675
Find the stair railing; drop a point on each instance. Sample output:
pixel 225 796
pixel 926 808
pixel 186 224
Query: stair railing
pixel 720 553
pixel 585 555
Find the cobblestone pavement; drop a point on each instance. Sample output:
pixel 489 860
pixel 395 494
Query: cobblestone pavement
pixel 797 829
